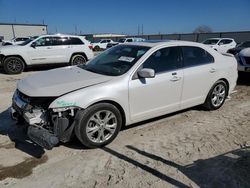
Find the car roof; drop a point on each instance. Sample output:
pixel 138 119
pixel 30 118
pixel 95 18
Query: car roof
pixel 61 35
pixel 219 38
pixel 154 43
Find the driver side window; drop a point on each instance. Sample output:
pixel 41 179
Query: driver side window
pixel 46 41
pixel 164 60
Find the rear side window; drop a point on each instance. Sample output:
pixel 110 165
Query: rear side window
pixel 195 56
pixel 163 60
pixel 20 39
pixel 60 41
pixel 76 41
pixel 129 40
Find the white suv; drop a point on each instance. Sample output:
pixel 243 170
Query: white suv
pixel 221 45
pixel 46 49
pixel 102 44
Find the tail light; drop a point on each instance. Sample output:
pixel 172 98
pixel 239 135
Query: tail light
pixel 90 47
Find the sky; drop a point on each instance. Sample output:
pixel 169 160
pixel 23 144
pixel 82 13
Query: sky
pixel 114 16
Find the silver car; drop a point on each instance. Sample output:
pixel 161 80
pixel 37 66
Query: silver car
pixel 123 85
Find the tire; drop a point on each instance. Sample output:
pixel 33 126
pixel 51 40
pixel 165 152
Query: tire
pixel 92 130
pixel 78 59
pixel 13 65
pixel 97 48
pixel 216 96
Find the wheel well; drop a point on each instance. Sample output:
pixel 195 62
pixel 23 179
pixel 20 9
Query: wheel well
pixel 225 80
pixel 118 106
pixel 79 53
pixel 4 57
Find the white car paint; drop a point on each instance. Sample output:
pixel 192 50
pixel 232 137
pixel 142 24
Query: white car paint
pixel 191 89
pixel 48 54
pixel 221 45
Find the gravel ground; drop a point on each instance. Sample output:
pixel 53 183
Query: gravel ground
pixel 191 148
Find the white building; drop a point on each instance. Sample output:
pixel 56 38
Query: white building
pixel 11 30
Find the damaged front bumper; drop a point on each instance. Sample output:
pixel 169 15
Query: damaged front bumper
pixel 46 127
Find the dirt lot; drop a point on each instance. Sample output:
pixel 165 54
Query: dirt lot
pixel 192 148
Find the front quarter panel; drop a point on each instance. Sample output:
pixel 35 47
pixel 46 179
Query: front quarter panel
pixel 115 91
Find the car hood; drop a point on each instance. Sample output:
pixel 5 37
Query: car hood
pixel 245 52
pixel 9 48
pixel 57 82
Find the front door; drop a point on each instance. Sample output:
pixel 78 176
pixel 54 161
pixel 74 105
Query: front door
pixel 151 97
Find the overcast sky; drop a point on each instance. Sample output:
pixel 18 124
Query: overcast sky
pixel 114 16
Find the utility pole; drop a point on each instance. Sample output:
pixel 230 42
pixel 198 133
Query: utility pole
pixel 138 33
pixel 75 29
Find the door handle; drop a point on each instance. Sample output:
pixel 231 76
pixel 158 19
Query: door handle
pixel 212 70
pixel 49 48
pixel 175 78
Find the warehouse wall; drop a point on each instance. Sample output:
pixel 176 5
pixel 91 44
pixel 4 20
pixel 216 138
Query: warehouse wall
pixel 196 37
pixel 10 31
pixel 6 32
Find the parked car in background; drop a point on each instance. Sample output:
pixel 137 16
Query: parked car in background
pixel 239 47
pixel 243 58
pixel 125 40
pixel 102 44
pixel 46 49
pixel 221 45
pixel 15 41
pixel 129 83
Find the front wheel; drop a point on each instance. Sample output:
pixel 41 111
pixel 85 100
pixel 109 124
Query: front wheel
pixel 216 96
pixel 98 125
pixel 13 65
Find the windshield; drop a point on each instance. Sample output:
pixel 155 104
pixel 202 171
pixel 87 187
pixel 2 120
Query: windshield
pixel 211 41
pixel 121 40
pixel 116 61
pixel 245 44
pixel 26 42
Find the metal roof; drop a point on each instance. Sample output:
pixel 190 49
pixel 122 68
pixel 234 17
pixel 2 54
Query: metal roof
pixel 25 24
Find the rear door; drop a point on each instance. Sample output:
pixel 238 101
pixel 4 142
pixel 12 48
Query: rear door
pixel 200 74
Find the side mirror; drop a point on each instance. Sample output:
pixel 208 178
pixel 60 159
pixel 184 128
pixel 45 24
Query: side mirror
pixel 146 73
pixel 33 45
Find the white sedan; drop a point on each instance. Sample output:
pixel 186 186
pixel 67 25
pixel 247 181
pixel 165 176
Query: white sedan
pixel 126 84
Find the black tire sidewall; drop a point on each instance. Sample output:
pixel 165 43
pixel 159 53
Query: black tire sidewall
pixel 209 105
pixel 73 58
pixel 97 48
pixel 5 65
pixel 80 128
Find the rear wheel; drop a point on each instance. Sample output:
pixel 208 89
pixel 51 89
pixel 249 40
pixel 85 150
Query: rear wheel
pixel 13 65
pixel 98 125
pixel 216 96
pixel 97 48
pixel 78 60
